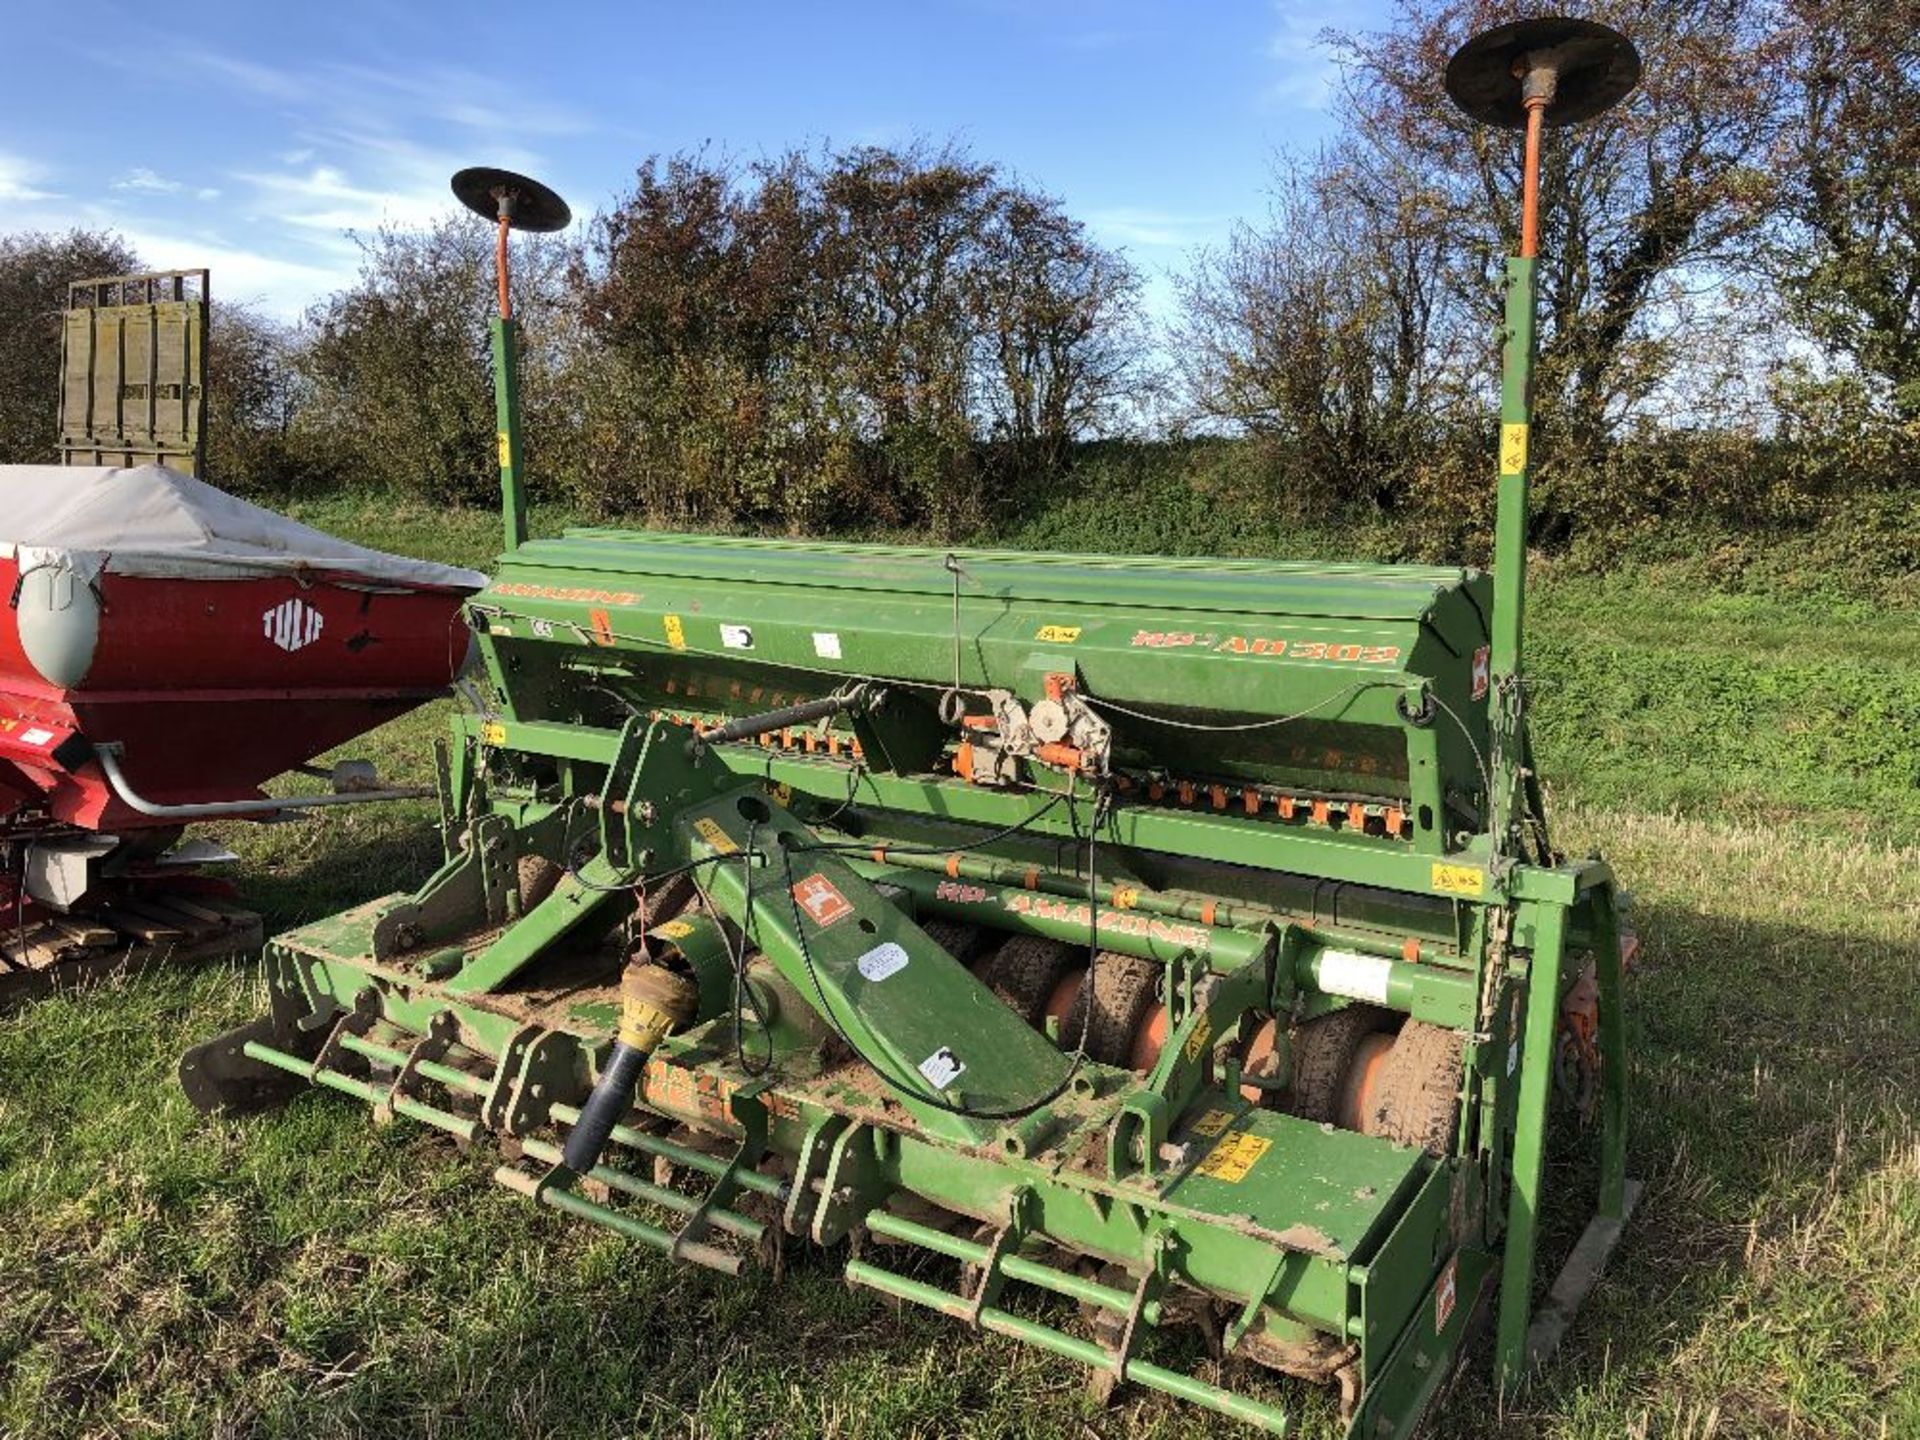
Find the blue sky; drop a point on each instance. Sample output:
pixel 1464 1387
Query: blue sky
pixel 251 137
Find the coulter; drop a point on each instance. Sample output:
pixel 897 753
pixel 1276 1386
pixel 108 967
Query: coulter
pixel 1180 939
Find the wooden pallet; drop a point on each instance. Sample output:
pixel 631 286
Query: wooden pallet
pixel 119 937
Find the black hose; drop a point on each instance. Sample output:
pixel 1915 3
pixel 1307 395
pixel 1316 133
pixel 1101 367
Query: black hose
pixel 610 1099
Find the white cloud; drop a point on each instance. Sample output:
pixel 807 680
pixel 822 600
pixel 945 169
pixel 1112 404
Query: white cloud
pixel 338 147
pixel 142 179
pixel 324 198
pixel 17 177
pixel 399 98
pixel 1130 225
pixel 1308 70
pixel 281 286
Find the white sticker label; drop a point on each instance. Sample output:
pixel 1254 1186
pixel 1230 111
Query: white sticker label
pixel 883 960
pixel 942 1068
pixel 1513 1056
pixel 35 737
pixel 1358 977
pixel 826 644
pixel 543 628
pixel 1481 658
pixel 1446 1295
pixel 736 637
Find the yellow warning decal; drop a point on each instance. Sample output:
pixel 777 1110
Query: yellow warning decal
pixel 674 929
pixel 708 829
pixel 1459 880
pixel 506 452
pixel 1214 1122
pixel 1513 448
pixel 493 733
pixel 676 637
pixel 1234 1156
pixel 1058 634
pixel 1197 1041
pixel 1125 897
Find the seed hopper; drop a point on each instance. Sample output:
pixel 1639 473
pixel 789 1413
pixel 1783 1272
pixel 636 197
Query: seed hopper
pixel 1180 939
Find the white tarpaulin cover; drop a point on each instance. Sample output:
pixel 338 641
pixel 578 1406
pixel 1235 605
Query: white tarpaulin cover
pixel 149 520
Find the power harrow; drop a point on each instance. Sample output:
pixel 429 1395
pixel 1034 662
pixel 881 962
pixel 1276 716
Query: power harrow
pixel 1180 938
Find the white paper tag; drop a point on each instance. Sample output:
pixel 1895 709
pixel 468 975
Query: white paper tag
pixel 35 736
pixel 1358 977
pixel 942 1068
pixel 736 637
pixel 883 960
pixel 826 644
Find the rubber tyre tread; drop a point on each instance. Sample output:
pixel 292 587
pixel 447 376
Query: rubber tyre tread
pixel 1418 1093
pixel 1122 987
pixel 1023 972
pixel 956 937
pixel 1322 1050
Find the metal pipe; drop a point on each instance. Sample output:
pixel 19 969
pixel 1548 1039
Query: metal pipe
pixel 560 1198
pixel 108 754
pixel 805 713
pixel 746 1179
pixel 500 264
pixel 1433 992
pixel 1530 184
pixel 1154 1377
pixel 959 865
pixel 1151 937
pixel 615 1178
pixel 1013 1266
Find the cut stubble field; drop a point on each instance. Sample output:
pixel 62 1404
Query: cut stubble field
pixel 1749 763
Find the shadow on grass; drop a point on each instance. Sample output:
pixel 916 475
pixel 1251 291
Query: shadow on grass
pixel 1775 1070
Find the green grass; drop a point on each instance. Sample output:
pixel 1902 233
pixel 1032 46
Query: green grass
pixel 1748 764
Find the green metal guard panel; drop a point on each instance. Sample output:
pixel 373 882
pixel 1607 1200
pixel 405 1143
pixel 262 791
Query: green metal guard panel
pixel 1323 1190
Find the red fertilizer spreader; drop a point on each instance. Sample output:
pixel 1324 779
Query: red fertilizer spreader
pixel 166 649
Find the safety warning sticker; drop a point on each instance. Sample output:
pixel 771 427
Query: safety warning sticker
pixel 942 1068
pixel 1459 879
pixel 1234 1156
pixel 1513 448
pixel 708 829
pixel 821 901
pixel 1445 1296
